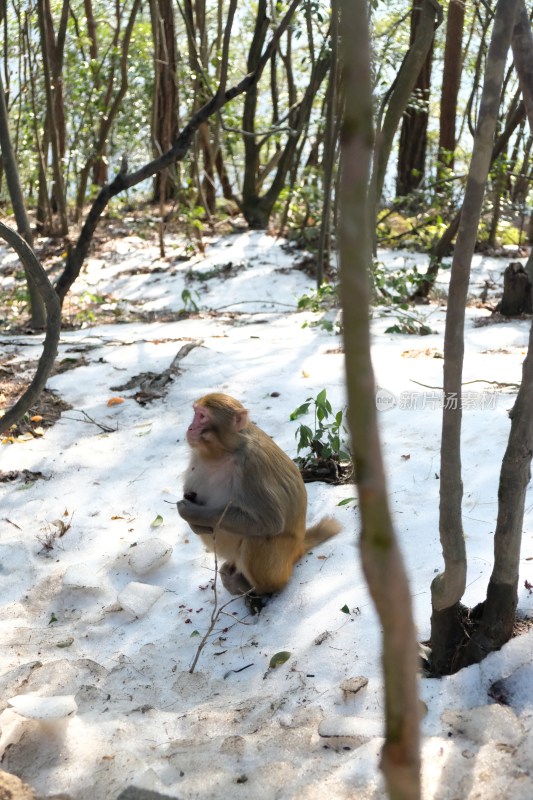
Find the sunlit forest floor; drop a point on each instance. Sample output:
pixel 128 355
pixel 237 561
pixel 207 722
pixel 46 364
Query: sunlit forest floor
pixel 97 648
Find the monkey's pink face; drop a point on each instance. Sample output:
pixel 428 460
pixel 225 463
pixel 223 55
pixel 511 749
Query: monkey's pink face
pixel 200 424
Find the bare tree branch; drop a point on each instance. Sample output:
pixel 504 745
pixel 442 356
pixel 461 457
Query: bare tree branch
pixel 53 326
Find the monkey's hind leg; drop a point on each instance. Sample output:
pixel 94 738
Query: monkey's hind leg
pixel 235 582
pixel 267 563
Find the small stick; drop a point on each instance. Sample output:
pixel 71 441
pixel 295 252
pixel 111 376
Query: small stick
pixel 216 612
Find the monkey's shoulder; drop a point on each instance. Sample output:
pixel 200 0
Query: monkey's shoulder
pixel 262 457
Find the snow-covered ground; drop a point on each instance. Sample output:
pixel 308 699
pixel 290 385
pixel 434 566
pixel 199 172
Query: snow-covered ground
pixel 236 727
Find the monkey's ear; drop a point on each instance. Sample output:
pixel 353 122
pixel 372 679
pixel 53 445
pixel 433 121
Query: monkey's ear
pixel 241 419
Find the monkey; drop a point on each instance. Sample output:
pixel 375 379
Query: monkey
pixel 246 499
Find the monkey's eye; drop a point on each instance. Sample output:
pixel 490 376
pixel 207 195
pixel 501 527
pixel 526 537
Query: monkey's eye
pixel 200 417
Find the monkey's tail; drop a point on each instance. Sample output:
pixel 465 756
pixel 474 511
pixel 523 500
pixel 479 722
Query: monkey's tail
pixel 325 529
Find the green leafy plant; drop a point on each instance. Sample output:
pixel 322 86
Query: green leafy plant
pixel 410 322
pixel 395 285
pixel 189 304
pixel 321 299
pixel 323 441
pixel 194 219
pixel 303 204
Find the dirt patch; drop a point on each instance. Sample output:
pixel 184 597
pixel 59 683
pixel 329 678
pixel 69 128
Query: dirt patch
pixel 25 475
pixel 498 319
pixel 522 625
pixel 327 470
pixel 15 376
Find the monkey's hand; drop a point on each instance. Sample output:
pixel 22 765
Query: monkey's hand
pixel 198 517
pixel 232 517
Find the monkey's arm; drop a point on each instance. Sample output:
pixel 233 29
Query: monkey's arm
pixel 236 519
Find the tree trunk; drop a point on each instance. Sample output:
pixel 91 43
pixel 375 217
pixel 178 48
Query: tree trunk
pixel 522 44
pixel 330 147
pixel 517 291
pixel 100 164
pixel 451 79
pixel 430 18
pixel 165 121
pixel 413 134
pixel 53 327
pixel 254 216
pixel 381 558
pixel 37 306
pixel 111 103
pixel 496 616
pixel 55 114
pixel 448 587
pixel 443 245
pixel 258 208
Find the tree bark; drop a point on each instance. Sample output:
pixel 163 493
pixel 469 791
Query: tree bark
pixel 329 151
pixel 447 588
pixel 165 121
pixel 53 327
pixel 443 245
pixel 451 79
pixel 54 108
pixel 37 306
pixel 381 558
pixel 430 18
pixel 413 134
pixel 495 617
pixel 99 165
pixel 522 45
pixel 110 103
pixel 257 208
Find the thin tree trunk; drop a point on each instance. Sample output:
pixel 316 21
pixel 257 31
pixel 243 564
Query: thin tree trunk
pixel 53 327
pixel 495 617
pixel 448 587
pixel 111 103
pixel 37 306
pixel 165 122
pixel 257 208
pixel 430 18
pixel 330 146
pixel 413 135
pixel 522 44
pixel 444 244
pixel 99 164
pixel 381 558
pixel 450 86
pixel 251 150
pixel 54 123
